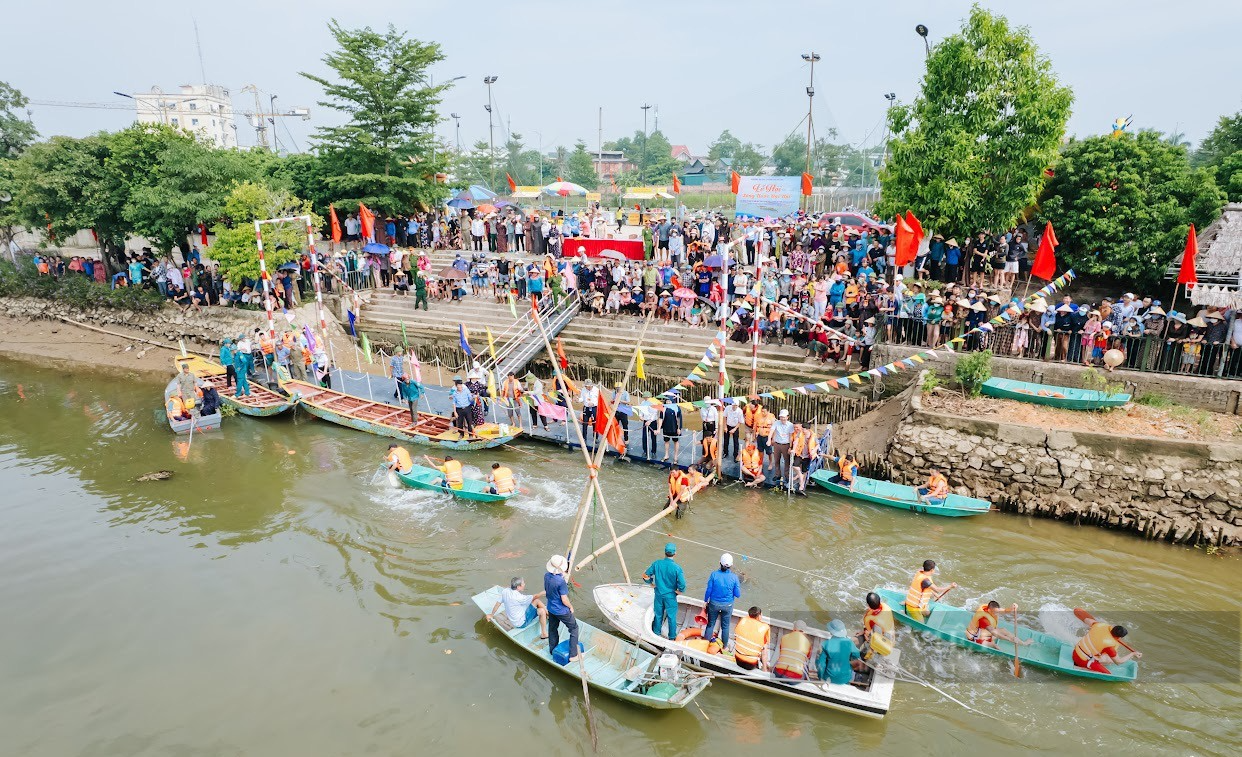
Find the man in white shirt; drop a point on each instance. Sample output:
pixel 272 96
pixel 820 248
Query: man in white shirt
pixel 520 608
pixel 589 399
pixel 647 415
pixel 708 415
pixel 352 228
pixel 733 419
pixel 477 229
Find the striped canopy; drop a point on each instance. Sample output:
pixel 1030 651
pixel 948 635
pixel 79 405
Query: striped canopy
pixel 565 189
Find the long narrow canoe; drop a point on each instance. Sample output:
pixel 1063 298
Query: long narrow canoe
pixel 949 623
pixel 198 423
pixel 615 667
pixel 421 477
pixel 628 608
pixel 261 403
pixel 382 419
pixel 900 496
pixel 1065 397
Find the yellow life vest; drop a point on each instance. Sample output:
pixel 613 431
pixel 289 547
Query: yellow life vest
pixel 983 620
pixel 752 636
pixel 452 471
pixel 401 457
pixel 1097 642
pixel 175 406
pixel 794 651
pixel 881 618
pixel 918 597
pixel 502 477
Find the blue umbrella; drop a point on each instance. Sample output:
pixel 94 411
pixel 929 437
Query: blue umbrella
pixel 713 261
pixel 460 202
pixel 480 193
pixel 375 248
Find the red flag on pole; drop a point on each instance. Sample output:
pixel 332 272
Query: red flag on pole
pixel 905 243
pixel 808 183
pixel 1188 274
pixel 336 224
pixel 676 185
pixel 1045 265
pixel 512 183
pixel 202 233
pixel 734 181
pixel 560 354
pixel 367 219
pixel 606 425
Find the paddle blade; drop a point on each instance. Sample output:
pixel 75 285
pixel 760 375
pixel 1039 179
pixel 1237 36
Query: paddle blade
pixel 1084 616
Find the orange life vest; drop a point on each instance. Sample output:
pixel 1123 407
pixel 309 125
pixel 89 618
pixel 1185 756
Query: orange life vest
pixel 751 637
pixel 502 477
pixel 752 459
pixel 511 389
pixel 677 481
pixel 265 344
pixel 803 443
pixel 881 618
pixel 175 406
pixel 709 447
pixel 983 620
pixel 937 485
pixel 1098 644
pixel 794 651
pixel 918 597
pixel 748 416
pixel 847 469
pixel 452 471
pixel 763 423
pixel 401 457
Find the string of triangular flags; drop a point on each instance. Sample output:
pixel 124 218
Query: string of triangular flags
pixel 1011 312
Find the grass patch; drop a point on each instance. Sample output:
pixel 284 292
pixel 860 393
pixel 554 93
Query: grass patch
pixel 1154 400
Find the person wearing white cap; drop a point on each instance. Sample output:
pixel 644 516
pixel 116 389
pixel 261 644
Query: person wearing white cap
pixel 782 436
pixel 723 587
pixel 560 610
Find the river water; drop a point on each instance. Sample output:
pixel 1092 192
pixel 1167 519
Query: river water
pixel 269 600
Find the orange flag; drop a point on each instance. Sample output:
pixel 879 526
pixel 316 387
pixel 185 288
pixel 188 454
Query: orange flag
pixel 512 183
pixel 336 224
pixel 560 354
pixel 1187 274
pixel 808 183
pixel 676 185
pixel 734 181
pixel 904 243
pixel 606 426
pixel 367 219
pixel 1045 265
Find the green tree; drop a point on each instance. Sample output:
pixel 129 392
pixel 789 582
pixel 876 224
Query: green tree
pixel 60 186
pixel 580 167
pixel 749 159
pixel 235 249
pixel 789 158
pixel 971 151
pixel 725 146
pixel 1121 206
pixel 381 155
pixel 1221 152
pixel 16 132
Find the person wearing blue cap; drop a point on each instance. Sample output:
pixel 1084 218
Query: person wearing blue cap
pixel 669 580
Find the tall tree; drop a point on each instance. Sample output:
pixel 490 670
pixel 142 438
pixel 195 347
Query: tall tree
pixel 749 159
pixel 1122 205
pixel 580 167
pixel 381 155
pixel 971 151
pixel 235 248
pixel 16 132
pixel 789 158
pixel 725 146
pixel 1221 152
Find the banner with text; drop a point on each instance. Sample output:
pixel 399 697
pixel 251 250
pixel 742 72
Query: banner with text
pixel 768 196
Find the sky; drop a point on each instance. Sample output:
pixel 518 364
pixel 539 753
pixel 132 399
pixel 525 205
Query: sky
pixel 706 65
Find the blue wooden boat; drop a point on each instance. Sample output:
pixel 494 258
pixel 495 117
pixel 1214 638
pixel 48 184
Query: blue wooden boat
pixel 261 403
pixel 422 477
pixel 900 496
pixel 618 668
pixel 1064 397
pixel 382 419
pixel 199 423
pixel 949 623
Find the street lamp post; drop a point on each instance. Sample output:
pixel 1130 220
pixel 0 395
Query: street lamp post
pixel 159 105
pixel 491 138
pixel 457 118
pixel 642 170
pixel 811 58
pixel 921 30
pixel 888 113
pixel 432 79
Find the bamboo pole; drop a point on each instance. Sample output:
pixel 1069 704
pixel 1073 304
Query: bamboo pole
pixel 627 535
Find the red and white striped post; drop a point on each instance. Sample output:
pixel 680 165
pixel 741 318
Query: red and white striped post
pixel 314 260
pixel 264 277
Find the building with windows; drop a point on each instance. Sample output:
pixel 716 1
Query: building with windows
pixel 202 109
pixel 610 163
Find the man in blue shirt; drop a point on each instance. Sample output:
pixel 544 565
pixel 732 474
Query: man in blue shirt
pixel 226 359
pixel 560 610
pixel 722 588
pixel 838 657
pixel 669 580
pixel 463 406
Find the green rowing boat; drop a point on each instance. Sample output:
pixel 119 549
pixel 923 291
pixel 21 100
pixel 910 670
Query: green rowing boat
pixel 420 477
pixel 949 623
pixel 900 496
pixel 1064 397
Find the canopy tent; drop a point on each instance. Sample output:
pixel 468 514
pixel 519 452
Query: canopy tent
pixel 526 192
pixel 647 193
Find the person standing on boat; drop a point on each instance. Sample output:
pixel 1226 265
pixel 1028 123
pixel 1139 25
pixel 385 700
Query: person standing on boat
pixel 398 459
pixel 560 609
pixel 669 581
pixel 937 488
pixel 670 427
pixel 411 392
pixel 1101 643
pixel 923 591
pixel 723 587
pixel 463 407
pixel 226 359
pixel 754 637
pixel 521 609
pixel 984 626
pixel 243 362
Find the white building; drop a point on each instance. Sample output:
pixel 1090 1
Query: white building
pixel 203 109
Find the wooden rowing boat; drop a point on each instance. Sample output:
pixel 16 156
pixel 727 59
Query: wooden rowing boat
pixel 900 496
pixel 615 667
pixel 392 421
pixel 1064 397
pixel 199 423
pixel 949 623
pixel 628 608
pixel 261 403
pixel 422 477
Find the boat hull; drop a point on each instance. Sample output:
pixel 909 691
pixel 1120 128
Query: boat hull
pixel 607 660
pixel 902 497
pixel 198 424
pixel 262 402
pixel 628 609
pixel 421 477
pixel 1067 398
pixel 1048 652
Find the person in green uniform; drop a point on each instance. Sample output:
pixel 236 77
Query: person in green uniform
pixel 411 392
pixel 668 579
pixel 420 289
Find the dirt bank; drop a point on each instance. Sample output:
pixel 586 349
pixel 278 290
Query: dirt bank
pixel 77 349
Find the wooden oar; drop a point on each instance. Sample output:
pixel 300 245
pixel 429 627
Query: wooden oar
pixel 1088 618
pixel 524 452
pixel 1017 663
pixel 586 694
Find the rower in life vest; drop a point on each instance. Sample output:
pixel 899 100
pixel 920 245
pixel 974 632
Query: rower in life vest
pixel 452 473
pixel 793 654
pixel 176 409
pixel 1100 644
pixel 751 638
pixel 936 490
pixel 847 471
pixel 501 480
pixel 922 591
pixel 878 631
pixel 679 488
pixel 984 626
pixel 752 464
pixel 398 459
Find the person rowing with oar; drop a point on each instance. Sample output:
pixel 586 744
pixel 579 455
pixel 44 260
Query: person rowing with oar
pixel 1101 643
pixel 923 591
pixel 984 626
pixel 937 488
pixel 451 473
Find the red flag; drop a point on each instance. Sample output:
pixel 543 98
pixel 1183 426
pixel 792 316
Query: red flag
pixel 606 425
pixel 676 185
pixel 808 183
pixel 1045 265
pixel 367 219
pixel 202 233
pixel 336 224
pixel 560 354
pixel 1187 274
pixel 734 181
pixel 917 226
pixel 512 183
pixel 904 243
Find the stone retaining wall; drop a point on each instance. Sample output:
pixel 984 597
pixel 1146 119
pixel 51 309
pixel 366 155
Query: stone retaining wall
pixel 1181 491
pixel 206 328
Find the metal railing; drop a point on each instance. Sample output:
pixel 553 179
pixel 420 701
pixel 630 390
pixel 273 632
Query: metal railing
pixel 1148 353
pixel 522 341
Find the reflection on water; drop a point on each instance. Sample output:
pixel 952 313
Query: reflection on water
pixel 269 599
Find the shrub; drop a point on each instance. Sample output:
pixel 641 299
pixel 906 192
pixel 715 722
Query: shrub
pixel 972 370
pixel 23 280
pixel 1096 381
pixel 930 382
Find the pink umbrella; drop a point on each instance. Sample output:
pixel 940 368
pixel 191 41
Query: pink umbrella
pixel 683 293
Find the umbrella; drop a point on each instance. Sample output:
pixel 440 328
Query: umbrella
pixel 375 248
pixel 460 202
pixel 505 204
pixel 450 272
pixel 565 189
pixel 612 255
pixel 287 267
pixel 479 193
pixel 713 261
pixel 682 293
pixel 486 207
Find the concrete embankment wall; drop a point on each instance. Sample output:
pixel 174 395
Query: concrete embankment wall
pixel 1165 489
pixel 204 328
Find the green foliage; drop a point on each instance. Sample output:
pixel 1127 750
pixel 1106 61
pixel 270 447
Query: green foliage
pixel 972 370
pixel 235 249
pixel 1097 381
pixel 971 151
pixel 1221 152
pixel 1152 399
pixel 725 146
pixel 16 132
pixel 381 155
pixel 24 281
pixel 652 157
pixel 827 159
pixel 63 185
pixel 1121 206
pixel 930 382
pixel 580 168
